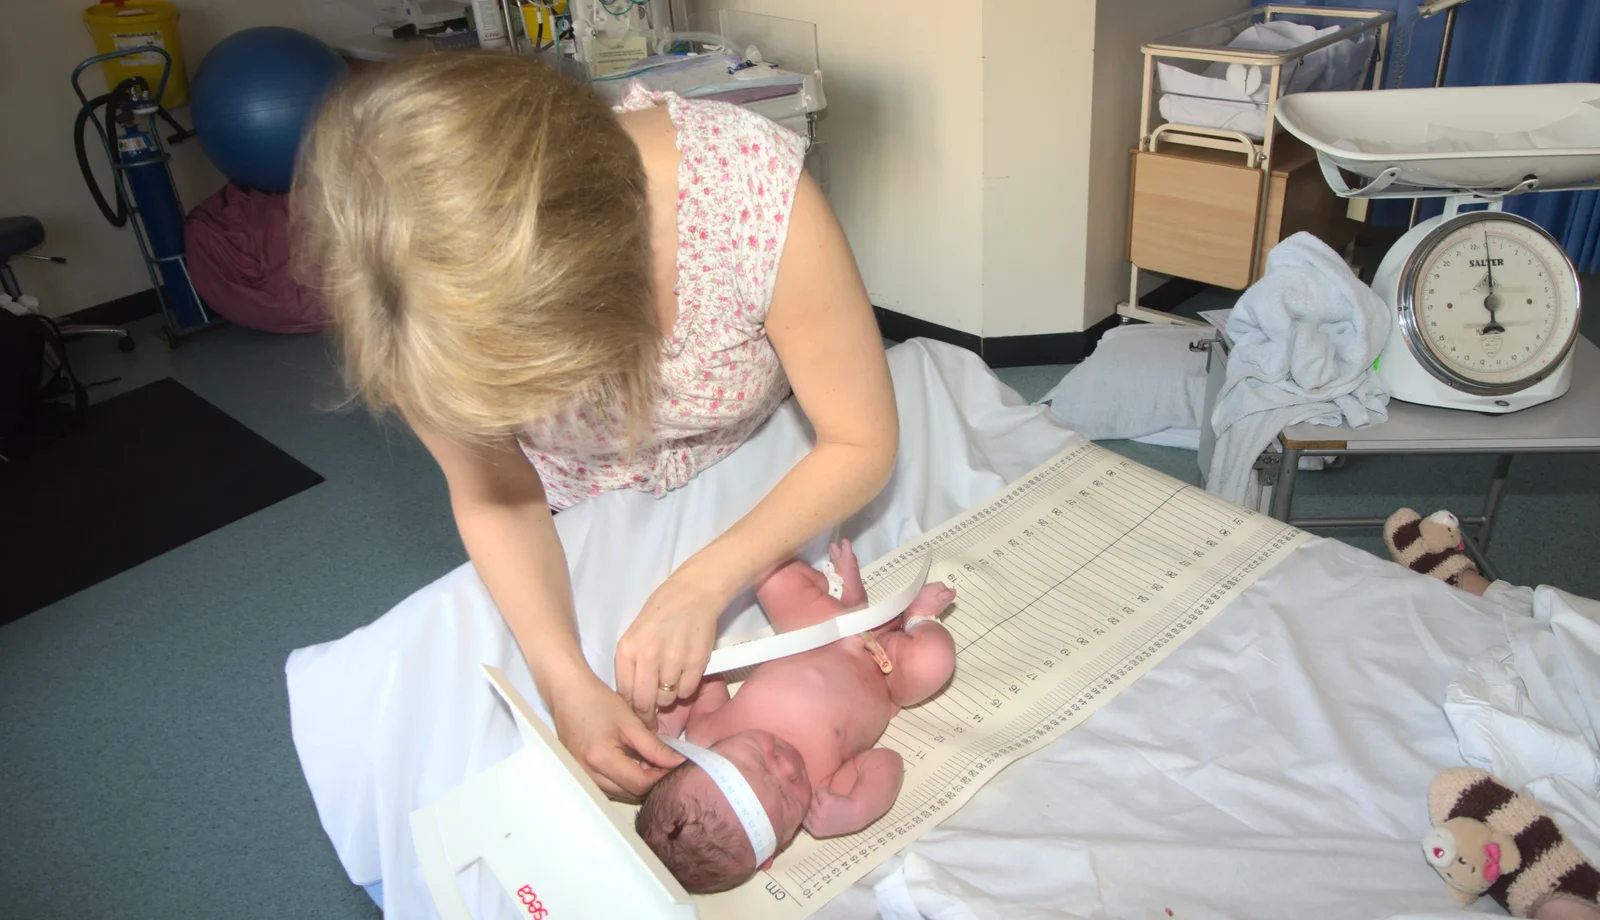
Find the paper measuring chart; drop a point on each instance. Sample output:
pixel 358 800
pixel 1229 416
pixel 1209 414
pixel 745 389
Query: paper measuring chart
pixel 1070 584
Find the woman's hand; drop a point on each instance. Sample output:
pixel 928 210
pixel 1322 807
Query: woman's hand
pixel 597 726
pixel 662 656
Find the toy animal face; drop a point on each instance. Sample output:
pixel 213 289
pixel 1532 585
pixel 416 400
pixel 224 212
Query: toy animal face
pixel 1458 871
pixel 1440 531
pixel 1468 856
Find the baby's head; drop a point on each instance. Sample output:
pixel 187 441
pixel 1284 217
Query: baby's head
pixel 690 824
pixel 477 226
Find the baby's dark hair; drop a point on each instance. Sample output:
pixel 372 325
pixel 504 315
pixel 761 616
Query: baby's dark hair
pixel 703 846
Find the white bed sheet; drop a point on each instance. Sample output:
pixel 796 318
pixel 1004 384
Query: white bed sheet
pixel 1275 764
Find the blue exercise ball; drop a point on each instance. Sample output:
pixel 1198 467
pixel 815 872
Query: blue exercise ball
pixel 253 97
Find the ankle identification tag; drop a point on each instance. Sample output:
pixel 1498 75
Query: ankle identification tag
pixel 752 815
pixel 744 654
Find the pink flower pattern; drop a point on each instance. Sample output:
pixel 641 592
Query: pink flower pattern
pixel 719 374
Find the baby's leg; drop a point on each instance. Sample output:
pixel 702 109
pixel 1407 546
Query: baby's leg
pixel 796 596
pixel 924 653
pixel 849 569
pixel 930 602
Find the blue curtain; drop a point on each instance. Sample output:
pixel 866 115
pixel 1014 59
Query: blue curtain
pixel 1500 42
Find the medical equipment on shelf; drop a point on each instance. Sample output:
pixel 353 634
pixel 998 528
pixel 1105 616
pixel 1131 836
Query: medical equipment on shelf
pixel 766 64
pixel 609 36
pixel 427 16
pixel 545 22
pixel 1072 582
pixel 1485 303
pixel 489 24
pixel 1214 186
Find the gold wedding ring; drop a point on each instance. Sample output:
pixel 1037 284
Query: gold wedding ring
pixel 669 688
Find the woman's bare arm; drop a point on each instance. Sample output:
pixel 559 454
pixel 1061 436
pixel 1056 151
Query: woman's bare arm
pixel 822 327
pixel 506 524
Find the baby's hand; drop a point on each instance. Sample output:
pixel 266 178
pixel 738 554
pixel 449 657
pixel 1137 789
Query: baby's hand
pixel 711 696
pixel 670 722
pixel 861 792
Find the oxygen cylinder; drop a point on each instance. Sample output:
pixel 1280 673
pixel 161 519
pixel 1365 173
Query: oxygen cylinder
pixel 156 202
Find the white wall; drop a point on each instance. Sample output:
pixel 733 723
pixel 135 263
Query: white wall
pixel 42 41
pixel 978 151
pixel 903 141
pixel 1038 74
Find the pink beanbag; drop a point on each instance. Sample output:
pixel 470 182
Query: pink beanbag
pixel 238 254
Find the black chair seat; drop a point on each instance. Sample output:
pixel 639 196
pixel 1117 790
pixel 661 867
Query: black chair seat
pixel 18 235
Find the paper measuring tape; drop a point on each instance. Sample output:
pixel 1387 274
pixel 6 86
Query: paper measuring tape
pixel 804 640
pixel 737 790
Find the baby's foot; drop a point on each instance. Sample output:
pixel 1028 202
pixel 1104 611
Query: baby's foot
pixel 1550 867
pixel 844 560
pixel 929 603
pixel 848 568
pixel 1430 545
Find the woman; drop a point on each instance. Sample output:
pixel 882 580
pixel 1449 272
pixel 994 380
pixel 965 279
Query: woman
pixel 561 299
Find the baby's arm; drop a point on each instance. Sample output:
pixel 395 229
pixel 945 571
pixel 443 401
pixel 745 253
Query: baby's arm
pixel 712 695
pixel 861 792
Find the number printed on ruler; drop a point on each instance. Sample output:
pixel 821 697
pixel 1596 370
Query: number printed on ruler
pixel 1069 585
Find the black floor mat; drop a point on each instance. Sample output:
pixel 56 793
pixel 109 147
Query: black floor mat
pixel 146 472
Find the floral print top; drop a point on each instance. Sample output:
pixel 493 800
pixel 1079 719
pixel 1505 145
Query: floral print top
pixel 720 378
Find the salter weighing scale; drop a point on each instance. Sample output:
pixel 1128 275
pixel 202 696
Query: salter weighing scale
pixel 1485 303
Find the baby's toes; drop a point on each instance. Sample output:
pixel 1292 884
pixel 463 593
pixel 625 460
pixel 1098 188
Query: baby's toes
pixel 844 559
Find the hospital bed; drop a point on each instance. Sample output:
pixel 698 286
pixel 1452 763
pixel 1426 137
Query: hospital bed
pixel 1275 765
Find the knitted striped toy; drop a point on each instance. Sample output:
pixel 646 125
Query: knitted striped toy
pixel 1430 545
pixel 1532 861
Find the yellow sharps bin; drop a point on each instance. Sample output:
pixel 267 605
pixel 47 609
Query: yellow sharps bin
pixel 121 25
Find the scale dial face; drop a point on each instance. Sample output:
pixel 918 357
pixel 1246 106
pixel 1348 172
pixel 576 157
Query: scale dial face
pixel 1489 303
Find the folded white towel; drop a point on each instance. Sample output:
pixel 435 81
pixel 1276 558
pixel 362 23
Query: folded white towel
pixel 1304 339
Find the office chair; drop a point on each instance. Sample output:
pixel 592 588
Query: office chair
pixel 19 235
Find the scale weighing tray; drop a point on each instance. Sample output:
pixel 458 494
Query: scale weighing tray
pixel 1491 141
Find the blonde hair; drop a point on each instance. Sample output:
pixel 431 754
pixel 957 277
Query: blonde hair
pixel 477 226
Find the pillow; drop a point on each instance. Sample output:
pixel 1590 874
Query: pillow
pixel 1141 379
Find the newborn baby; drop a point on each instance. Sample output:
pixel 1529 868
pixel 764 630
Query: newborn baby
pixel 801 730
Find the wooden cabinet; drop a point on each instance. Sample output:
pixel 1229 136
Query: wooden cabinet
pixel 1194 211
